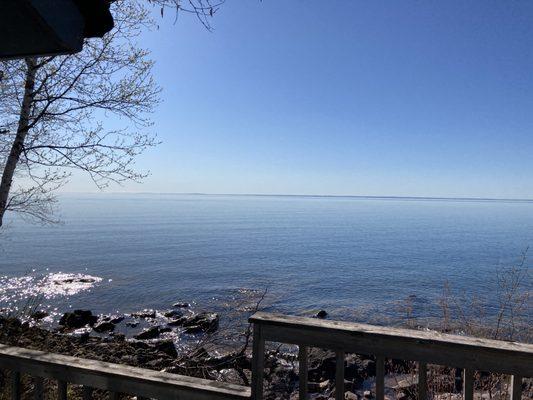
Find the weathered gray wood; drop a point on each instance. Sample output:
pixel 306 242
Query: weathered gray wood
pixel 87 393
pixel 302 372
pixel 258 362
pixel 468 384
pixel 339 375
pixel 38 388
pixel 516 387
pixel 422 381
pixel 62 390
pixel 380 378
pixel 117 378
pixel 15 385
pixel 406 344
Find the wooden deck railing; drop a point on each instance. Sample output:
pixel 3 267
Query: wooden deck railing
pixel 114 378
pixel 467 353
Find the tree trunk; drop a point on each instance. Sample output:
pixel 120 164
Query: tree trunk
pixel 18 143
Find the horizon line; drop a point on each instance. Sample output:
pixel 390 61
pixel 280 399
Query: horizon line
pixel 369 197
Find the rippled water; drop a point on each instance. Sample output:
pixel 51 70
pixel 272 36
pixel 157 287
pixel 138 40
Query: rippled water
pixel 340 254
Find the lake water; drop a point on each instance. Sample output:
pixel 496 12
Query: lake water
pixel 332 253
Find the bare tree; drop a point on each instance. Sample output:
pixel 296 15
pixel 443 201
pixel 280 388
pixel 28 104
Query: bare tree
pixel 53 111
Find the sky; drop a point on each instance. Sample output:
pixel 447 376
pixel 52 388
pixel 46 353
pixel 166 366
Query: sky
pixel 380 98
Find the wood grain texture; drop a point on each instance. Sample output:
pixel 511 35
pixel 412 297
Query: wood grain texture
pixel 516 387
pixel 116 377
pixel 406 344
pixel 15 385
pixel 380 378
pixel 62 390
pixel 468 384
pixel 258 363
pixel 302 372
pixel 422 381
pixel 339 375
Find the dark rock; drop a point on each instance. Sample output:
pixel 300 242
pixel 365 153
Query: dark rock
pixel 167 347
pixel 173 314
pixel 119 337
pixel 181 305
pixel 38 315
pixel 77 319
pixel 114 319
pixel 132 324
pixel 105 326
pixel 150 333
pixel 177 322
pixel 165 329
pixel 321 314
pixel 194 329
pixel 203 322
pixel 144 314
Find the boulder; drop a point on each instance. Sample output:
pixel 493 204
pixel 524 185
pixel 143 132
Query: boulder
pixel 105 326
pixel 38 315
pixel 177 322
pixel 150 333
pixel 77 319
pixel 144 314
pixel 114 319
pixel 173 314
pixel 321 314
pixel 167 347
pixel 203 322
pixel 181 305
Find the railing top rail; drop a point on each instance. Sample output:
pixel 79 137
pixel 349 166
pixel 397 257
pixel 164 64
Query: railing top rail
pixel 116 377
pixel 408 344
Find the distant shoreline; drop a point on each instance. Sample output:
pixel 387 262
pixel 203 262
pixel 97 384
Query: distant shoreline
pixel 320 196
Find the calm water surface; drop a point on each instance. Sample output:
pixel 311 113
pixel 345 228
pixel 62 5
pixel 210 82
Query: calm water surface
pixel 339 254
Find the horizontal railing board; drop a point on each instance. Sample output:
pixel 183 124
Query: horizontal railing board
pixel 116 377
pixel 425 346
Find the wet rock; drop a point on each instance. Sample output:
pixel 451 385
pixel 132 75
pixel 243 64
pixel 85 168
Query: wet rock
pixel 181 305
pixel 350 396
pixel 173 314
pixel 177 322
pixel 147 313
pixel 321 314
pixel 114 319
pixel 119 337
pixel 150 333
pixel 203 322
pixel 38 315
pixel 314 387
pixel 167 347
pixel 105 326
pixel 77 319
pixel 132 324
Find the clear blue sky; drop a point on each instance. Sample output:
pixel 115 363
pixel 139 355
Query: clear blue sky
pixel 431 98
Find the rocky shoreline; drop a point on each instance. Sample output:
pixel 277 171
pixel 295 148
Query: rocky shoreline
pixel 152 345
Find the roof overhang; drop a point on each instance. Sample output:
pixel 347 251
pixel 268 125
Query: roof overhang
pixel 50 27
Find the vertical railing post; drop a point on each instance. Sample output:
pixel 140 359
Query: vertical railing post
pixel 62 390
pixel 422 381
pixel 380 377
pixel 302 371
pixel 339 375
pixel 38 388
pixel 15 385
pixel 258 362
pixel 516 387
pixel 468 384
